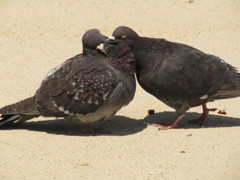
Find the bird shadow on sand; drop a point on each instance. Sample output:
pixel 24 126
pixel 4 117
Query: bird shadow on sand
pixel 117 126
pixel 214 121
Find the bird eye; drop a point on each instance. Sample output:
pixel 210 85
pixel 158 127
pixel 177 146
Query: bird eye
pixel 124 37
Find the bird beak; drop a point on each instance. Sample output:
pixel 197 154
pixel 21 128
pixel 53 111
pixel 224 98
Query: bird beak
pixel 101 48
pixel 111 38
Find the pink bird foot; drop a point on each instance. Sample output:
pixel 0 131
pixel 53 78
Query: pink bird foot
pixel 203 118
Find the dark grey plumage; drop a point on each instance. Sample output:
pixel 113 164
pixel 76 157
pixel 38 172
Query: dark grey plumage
pixel 179 75
pixel 88 88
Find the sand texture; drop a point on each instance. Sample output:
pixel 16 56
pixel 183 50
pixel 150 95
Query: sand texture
pixel 36 36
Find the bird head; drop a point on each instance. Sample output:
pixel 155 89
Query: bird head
pixel 125 33
pixel 91 40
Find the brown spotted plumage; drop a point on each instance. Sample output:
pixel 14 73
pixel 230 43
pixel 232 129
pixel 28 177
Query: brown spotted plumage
pixel 86 88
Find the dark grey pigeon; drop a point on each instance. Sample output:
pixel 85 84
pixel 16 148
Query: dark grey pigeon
pixel 88 88
pixel 180 75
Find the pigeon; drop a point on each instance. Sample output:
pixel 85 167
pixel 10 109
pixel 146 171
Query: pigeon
pixel 179 75
pixel 88 88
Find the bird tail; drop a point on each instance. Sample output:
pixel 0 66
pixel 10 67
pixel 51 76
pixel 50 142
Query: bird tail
pixel 18 112
pixel 229 90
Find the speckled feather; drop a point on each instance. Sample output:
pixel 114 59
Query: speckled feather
pixel 28 108
pixel 89 87
pixel 79 87
pixel 92 88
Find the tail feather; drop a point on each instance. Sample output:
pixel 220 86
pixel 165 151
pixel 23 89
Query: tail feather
pixel 18 112
pixel 229 90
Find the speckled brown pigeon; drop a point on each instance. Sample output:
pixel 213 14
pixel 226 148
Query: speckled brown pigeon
pixel 88 88
pixel 179 75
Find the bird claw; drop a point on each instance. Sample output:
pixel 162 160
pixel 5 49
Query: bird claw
pixel 203 118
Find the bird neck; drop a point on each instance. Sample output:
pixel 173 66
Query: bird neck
pixel 147 57
pixel 87 51
pixel 125 63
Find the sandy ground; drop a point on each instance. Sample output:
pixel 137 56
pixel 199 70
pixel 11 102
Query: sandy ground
pixel 35 36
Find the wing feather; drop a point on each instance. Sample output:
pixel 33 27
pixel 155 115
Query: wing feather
pixel 80 86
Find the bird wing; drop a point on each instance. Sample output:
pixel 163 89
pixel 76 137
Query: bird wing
pixel 80 86
pixel 190 73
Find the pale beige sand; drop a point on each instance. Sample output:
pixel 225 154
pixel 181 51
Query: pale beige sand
pixel 35 36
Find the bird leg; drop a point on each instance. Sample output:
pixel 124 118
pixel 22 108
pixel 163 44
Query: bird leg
pixel 174 124
pixel 91 130
pixel 203 118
